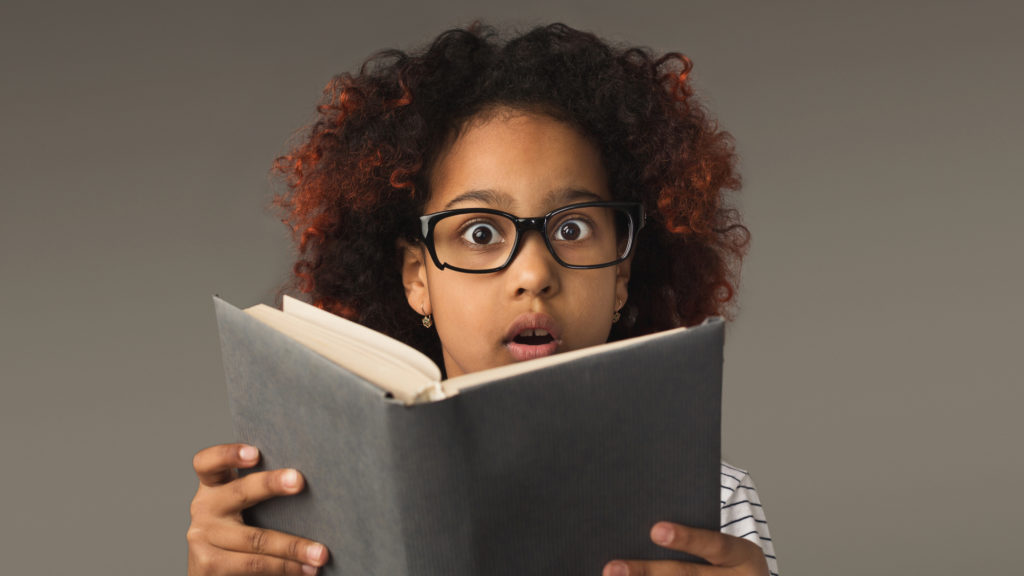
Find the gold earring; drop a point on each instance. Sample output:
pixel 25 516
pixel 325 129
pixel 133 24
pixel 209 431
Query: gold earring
pixel 427 321
pixel 616 316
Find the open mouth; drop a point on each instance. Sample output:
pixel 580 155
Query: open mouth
pixel 536 337
pixel 532 335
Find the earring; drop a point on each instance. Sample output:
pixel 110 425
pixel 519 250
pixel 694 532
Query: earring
pixel 427 320
pixel 615 316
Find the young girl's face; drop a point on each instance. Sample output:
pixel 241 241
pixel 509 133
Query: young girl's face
pixel 528 165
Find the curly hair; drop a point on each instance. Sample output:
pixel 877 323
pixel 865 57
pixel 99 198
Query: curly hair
pixel 359 178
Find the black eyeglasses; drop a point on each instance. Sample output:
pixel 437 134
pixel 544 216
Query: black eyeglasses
pixel 482 240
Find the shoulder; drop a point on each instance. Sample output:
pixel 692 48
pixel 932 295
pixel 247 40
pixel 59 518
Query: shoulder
pixel 741 504
pixel 742 512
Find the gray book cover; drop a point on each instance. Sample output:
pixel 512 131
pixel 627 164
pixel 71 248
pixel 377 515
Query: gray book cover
pixel 555 471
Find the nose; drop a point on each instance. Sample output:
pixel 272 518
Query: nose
pixel 534 271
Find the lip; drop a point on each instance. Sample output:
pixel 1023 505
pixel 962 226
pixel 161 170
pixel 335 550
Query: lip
pixel 532 321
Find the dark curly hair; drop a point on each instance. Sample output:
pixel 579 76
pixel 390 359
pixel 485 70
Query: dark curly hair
pixel 358 180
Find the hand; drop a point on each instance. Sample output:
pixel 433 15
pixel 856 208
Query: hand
pixel 734 555
pixel 219 543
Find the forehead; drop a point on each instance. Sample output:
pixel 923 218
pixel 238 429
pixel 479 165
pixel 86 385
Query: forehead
pixel 517 161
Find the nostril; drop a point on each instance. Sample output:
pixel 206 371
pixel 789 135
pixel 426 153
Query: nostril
pixel 544 290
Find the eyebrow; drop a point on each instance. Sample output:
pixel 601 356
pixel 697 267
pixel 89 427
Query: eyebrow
pixel 557 197
pixel 570 195
pixel 488 197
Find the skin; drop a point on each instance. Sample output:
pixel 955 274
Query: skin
pixel 525 164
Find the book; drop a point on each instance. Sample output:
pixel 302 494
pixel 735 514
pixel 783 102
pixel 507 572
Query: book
pixel 550 466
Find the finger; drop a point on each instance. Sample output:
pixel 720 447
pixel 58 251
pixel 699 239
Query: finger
pixel 656 568
pixel 242 493
pixel 717 548
pixel 260 541
pixel 215 465
pixel 221 562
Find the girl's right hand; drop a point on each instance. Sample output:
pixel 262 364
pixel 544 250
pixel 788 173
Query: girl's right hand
pixel 219 542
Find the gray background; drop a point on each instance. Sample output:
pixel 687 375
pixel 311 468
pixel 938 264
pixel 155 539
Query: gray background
pixel 872 374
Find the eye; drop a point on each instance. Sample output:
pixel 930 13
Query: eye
pixel 481 234
pixel 573 230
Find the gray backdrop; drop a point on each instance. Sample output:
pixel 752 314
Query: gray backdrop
pixel 872 374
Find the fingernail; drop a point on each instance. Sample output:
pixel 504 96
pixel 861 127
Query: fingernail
pixel 662 534
pixel 315 553
pixel 307 569
pixel 290 479
pixel 618 569
pixel 248 453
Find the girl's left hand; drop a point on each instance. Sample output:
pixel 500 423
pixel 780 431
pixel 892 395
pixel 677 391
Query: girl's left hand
pixel 727 554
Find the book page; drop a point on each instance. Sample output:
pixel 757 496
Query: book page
pixel 363 336
pixel 389 372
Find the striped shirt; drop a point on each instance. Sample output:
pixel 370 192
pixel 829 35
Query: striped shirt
pixel 742 514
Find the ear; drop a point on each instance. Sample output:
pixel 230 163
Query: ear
pixel 414 276
pixel 622 282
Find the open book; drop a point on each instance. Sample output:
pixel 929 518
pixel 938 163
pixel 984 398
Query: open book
pixel 549 466
pixel 404 372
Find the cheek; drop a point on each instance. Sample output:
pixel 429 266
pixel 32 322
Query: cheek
pixel 593 302
pixel 467 320
pixel 594 289
pixel 460 303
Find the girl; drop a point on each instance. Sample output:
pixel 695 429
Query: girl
pixel 404 198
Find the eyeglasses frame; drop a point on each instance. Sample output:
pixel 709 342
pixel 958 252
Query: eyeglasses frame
pixel 635 211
